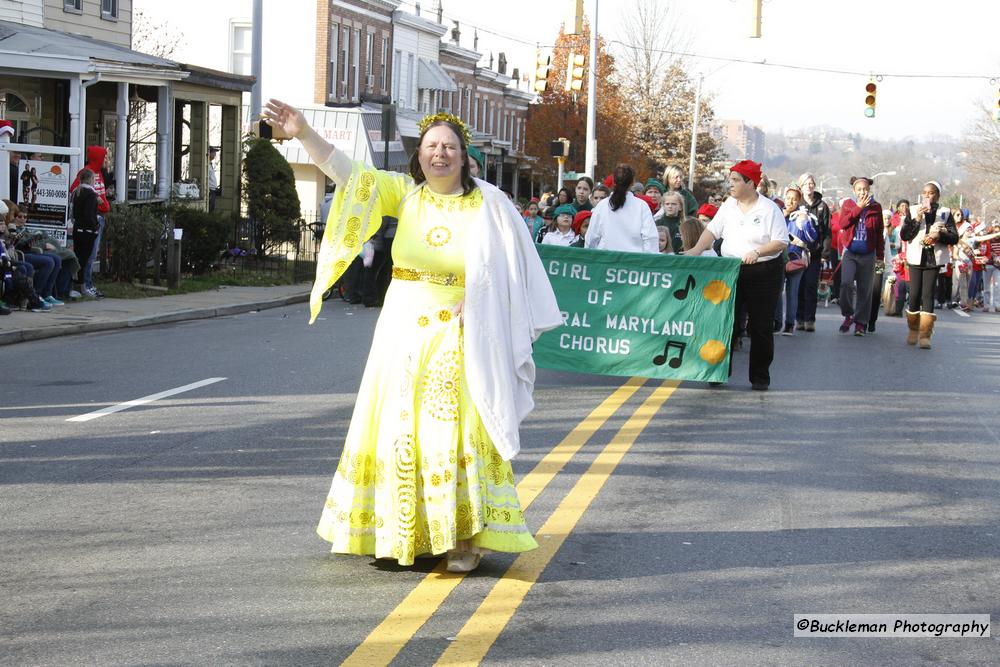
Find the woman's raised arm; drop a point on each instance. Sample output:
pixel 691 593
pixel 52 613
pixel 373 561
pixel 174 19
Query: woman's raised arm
pixel 290 120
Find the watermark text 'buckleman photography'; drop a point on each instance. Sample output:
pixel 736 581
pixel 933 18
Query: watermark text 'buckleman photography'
pixel 892 625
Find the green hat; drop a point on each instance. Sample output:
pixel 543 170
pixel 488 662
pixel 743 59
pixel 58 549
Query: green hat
pixel 653 183
pixel 565 209
pixel 477 155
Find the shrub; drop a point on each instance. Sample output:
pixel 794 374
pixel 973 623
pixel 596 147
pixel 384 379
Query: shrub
pixel 132 235
pixel 205 237
pixel 272 202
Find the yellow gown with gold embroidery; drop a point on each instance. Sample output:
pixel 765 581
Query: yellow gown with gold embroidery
pixel 418 472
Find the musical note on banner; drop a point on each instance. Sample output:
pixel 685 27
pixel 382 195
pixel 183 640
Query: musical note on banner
pixel 682 293
pixel 675 362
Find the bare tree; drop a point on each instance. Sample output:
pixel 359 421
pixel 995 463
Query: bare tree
pixel 648 31
pixel 158 39
pixel 982 161
pixel 660 93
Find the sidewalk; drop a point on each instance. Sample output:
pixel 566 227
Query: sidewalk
pixel 91 315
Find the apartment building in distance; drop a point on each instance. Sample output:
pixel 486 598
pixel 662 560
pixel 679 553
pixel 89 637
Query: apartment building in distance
pixel 739 139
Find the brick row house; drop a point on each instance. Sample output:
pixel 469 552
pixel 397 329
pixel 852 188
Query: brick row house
pixel 371 55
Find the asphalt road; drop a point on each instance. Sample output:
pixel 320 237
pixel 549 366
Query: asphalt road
pixel 181 532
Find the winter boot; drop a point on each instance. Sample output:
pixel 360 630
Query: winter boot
pixel 913 321
pixel 926 329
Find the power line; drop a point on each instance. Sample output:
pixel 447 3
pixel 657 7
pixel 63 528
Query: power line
pixel 727 59
pixel 807 68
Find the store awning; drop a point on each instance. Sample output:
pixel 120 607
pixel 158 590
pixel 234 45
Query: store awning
pixel 431 76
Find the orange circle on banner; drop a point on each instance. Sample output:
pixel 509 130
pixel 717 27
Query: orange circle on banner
pixel 713 351
pixel 55 170
pixel 716 292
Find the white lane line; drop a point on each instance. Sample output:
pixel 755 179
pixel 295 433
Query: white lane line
pixel 960 312
pixel 142 401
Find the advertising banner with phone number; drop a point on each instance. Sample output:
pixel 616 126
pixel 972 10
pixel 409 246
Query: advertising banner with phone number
pixel 656 316
pixel 43 191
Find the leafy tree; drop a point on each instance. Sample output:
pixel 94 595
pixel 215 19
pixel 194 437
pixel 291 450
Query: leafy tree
pixel 564 114
pixel 272 202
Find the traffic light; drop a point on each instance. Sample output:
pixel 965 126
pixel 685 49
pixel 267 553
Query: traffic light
pixel 870 91
pixel 543 61
pixel 574 71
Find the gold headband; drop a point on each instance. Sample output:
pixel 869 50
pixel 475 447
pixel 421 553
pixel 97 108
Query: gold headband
pixel 449 118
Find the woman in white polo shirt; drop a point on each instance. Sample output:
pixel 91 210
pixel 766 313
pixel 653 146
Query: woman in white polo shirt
pixel 752 229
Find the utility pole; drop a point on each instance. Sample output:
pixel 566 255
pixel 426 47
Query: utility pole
pixel 590 159
pixel 255 57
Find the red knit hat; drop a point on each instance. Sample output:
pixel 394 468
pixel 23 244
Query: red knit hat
pixel 609 181
pixel 708 210
pixel 578 220
pixel 749 169
pixel 6 127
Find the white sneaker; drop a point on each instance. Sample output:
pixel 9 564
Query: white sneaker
pixel 90 291
pixel 73 294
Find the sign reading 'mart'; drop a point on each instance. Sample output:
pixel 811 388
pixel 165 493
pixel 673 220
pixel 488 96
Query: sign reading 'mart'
pixel 658 316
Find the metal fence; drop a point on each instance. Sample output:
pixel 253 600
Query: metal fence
pixel 296 257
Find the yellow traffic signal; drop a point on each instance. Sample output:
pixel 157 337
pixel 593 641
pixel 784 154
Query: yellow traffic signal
pixel 870 91
pixel 543 61
pixel 574 71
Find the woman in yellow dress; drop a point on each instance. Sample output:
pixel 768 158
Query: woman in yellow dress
pixel 426 464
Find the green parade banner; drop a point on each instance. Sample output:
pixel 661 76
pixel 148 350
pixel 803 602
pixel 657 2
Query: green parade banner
pixel 625 313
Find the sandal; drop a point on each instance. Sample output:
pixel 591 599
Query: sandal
pixel 462 561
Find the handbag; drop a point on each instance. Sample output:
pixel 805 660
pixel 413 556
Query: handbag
pixel 802 261
pixel 798 264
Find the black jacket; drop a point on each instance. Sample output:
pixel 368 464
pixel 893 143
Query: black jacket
pixel 85 211
pixel 824 235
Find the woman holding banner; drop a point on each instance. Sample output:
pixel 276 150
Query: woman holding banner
pixel 753 229
pixel 425 468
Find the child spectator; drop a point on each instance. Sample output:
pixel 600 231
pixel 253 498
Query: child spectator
pixel 86 225
pixel 562 233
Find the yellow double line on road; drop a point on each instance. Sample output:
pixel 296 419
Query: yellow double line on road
pixel 482 629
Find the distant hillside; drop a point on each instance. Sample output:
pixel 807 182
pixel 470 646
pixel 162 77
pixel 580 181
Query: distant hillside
pixel 833 156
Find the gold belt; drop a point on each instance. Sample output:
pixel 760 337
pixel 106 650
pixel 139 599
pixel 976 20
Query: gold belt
pixel 446 279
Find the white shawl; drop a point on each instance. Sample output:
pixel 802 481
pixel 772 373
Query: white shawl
pixel 509 303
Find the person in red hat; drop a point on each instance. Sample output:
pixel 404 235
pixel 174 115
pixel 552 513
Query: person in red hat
pixel 706 212
pixel 581 223
pixel 753 229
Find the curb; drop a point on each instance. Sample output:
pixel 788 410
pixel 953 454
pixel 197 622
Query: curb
pixel 40 333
